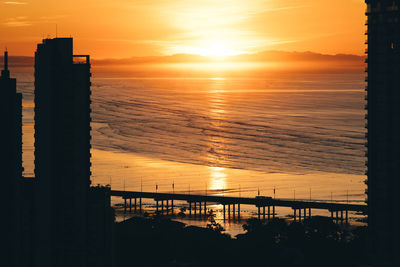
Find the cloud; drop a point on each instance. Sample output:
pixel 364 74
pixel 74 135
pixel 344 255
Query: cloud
pixel 20 21
pixel 53 18
pixel 284 8
pixel 15 3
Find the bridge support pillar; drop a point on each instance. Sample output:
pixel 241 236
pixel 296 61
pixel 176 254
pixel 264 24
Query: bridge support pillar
pixel 162 206
pixel 238 211
pixel 130 205
pixel 140 205
pixel 157 206
pixel 332 215
pixel 205 208
pixel 135 205
pixel 167 206
pixel 190 208
pixel 299 215
pixel 172 206
pixel 124 205
pixel 269 213
pixel 341 217
pixel 337 216
pixel 194 208
pixel 309 213
pixel 229 211
pixel 200 208
pixel 224 210
pixel 233 211
pixel 273 211
pixel 305 214
pixel 259 213
pixel 294 214
pixel 263 213
pixel 347 217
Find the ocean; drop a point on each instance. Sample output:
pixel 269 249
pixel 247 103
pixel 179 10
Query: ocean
pixel 294 134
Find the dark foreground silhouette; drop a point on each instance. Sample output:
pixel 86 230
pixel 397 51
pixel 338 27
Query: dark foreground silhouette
pixel 318 241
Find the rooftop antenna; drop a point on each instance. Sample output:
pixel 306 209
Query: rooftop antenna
pixel 5 73
pixel 6 60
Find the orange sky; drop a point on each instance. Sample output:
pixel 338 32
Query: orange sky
pixel 124 28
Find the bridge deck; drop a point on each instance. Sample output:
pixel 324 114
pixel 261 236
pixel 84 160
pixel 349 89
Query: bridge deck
pixel 257 201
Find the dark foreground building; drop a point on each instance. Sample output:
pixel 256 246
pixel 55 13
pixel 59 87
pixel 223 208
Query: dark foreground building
pixel 10 165
pixel 384 130
pixel 65 206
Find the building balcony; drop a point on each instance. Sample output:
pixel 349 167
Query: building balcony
pixel 81 59
pixel 394 7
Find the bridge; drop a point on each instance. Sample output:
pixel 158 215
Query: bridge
pixel 266 205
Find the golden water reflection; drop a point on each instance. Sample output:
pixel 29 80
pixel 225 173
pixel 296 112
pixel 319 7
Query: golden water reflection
pixel 218 179
pixel 217 112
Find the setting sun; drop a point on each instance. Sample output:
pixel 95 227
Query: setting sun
pixel 218 50
pixel 210 28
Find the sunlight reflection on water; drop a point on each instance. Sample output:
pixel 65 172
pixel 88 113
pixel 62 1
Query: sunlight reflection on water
pixel 217 178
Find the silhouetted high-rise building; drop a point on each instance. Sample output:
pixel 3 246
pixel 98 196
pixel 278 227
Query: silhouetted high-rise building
pixel 100 228
pixel 62 153
pixel 384 130
pixel 10 165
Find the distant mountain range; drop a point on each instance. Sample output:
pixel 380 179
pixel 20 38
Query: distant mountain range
pixel 266 56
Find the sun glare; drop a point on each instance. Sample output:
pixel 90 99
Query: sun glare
pixel 218 50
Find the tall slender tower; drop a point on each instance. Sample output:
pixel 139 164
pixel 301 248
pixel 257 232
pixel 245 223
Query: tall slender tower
pixel 62 153
pixel 383 116
pixel 10 163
